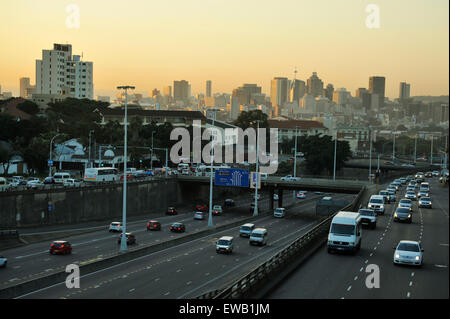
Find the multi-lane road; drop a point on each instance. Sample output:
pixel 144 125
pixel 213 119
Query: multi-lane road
pixel 182 271
pixel 338 276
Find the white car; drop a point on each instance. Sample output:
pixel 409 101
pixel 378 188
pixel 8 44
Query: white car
pixel 3 261
pixel 35 184
pixel 279 212
pixel 115 227
pixel 275 197
pixel 408 253
pixel 368 217
pixel 290 178
pixel 411 195
pixel 301 195
pixel 407 203
pixel 71 182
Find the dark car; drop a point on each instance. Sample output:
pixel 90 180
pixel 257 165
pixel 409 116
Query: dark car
pixel 60 247
pixel 177 228
pixel 49 180
pixel 131 239
pixel 153 225
pixel 403 214
pixel 228 202
pixel 201 207
pixel 171 211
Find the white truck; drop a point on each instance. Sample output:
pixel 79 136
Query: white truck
pixel 345 232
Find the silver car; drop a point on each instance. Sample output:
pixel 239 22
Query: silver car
pixel 411 195
pixel 409 253
pixel 3 261
pixel 407 203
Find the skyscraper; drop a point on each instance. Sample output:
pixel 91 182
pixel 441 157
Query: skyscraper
pixel 60 72
pixel 314 85
pixel 377 86
pixel 244 92
pixel 168 91
pixel 181 90
pixel 208 88
pixel 404 92
pixel 328 92
pixel 366 98
pixel 279 92
pixel 26 89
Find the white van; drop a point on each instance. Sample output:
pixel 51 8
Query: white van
pixel 246 230
pixel 258 236
pixel 345 232
pixel 279 212
pixel 376 202
pixel 61 177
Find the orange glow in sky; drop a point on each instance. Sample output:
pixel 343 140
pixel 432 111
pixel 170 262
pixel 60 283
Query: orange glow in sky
pixel 149 44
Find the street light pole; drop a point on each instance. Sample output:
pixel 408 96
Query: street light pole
pixel 431 152
pixel 393 150
pixel 50 157
pixel 335 150
pixel 151 156
pixel 415 149
pixel 123 241
pixel 255 210
pixel 295 159
pixel 210 221
pixel 370 155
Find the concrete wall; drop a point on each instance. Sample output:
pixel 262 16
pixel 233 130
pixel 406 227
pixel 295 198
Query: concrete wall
pixel 66 206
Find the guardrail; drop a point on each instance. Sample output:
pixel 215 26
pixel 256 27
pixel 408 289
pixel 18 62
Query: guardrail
pixel 269 271
pixel 9 233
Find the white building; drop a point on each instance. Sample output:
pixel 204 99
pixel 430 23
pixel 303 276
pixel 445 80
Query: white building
pixel 60 72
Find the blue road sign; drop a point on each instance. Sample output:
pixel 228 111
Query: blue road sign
pixel 231 177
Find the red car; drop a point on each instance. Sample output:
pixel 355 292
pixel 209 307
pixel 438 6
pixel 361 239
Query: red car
pixel 201 207
pixel 60 247
pixel 129 176
pixel 153 225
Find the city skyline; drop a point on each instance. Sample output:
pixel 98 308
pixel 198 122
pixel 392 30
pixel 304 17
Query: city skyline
pixel 236 47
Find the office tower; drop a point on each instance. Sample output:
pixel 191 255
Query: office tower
pixel 181 91
pixel 24 84
pixel 244 93
pixel 208 88
pixel 279 90
pixel 234 107
pixel 297 90
pixel 341 96
pixel 377 86
pixel 167 91
pixel 360 91
pixel 328 92
pixel 314 85
pixel 404 91
pixel 366 98
pixel 60 72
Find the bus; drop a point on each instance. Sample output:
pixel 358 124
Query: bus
pixel 101 174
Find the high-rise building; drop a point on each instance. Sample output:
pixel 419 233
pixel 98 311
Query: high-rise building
pixel 168 91
pixel 341 96
pixel 279 91
pixel 181 91
pixel 24 84
pixel 377 85
pixel 366 98
pixel 297 90
pixel 208 88
pixel 328 92
pixel 234 107
pixel 314 85
pixel 59 72
pixel 360 91
pixel 404 92
pixel 244 93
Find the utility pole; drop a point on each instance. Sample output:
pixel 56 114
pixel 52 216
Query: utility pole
pixel 431 152
pixel 210 221
pixel 393 150
pixel 335 151
pixel 295 158
pixel 415 149
pixel 370 155
pixel 151 156
pixel 255 211
pixel 123 241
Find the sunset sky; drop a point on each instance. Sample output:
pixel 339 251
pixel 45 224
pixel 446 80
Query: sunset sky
pixel 150 43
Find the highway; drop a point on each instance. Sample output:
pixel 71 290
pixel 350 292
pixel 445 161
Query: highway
pixel 337 276
pixel 189 269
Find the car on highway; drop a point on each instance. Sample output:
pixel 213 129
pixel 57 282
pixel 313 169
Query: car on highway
pixel 60 247
pixel 115 227
pixel 290 178
pixel 301 195
pixel 246 229
pixel 411 195
pixel 424 187
pixel 403 214
pixel 407 165
pixel 49 180
pixel 229 203
pixel 153 225
pixel 3 261
pixel 217 210
pixel 428 174
pixel 130 176
pixel 408 252
pixel 425 202
pixel 376 202
pixel 199 215
pixel 224 245
pixel 171 211
pixel 402 180
pixel 131 239
pixel 201 207
pixel 410 188
pixel 406 203
pixel 258 237
pixel 318 193
pixel 435 173
pixel 150 172
pixel 392 194
pixel 386 196
pixel 275 197
pixel 279 212
pixel 368 217
pixel 71 182
pixel 423 193
pixel 418 175
pixel 34 184
pixel 177 228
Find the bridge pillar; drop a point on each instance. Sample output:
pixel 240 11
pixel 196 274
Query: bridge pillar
pixel 271 193
pixel 280 197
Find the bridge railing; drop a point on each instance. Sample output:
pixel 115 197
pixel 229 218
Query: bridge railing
pixel 300 249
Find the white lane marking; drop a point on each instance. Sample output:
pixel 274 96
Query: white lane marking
pixel 356 278
pixel 349 287
pixel 157 279
pixel 362 268
pixel 167 293
pixel 410 283
pixel 30 255
pixel 441 266
pixel 178 270
pixel 131 290
pixel 408 294
pixel 188 283
pixel 412 274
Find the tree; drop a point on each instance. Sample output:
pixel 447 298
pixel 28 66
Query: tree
pixel 28 107
pixel 5 157
pixel 248 119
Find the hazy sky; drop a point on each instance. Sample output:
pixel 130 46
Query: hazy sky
pixel 150 43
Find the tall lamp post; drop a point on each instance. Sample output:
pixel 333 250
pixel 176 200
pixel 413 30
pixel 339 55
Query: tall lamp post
pixel 151 156
pixel 210 221
pixel 295 160
pixel 50 157
pixel 255 211
pixel 335 151
pixel 123 241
